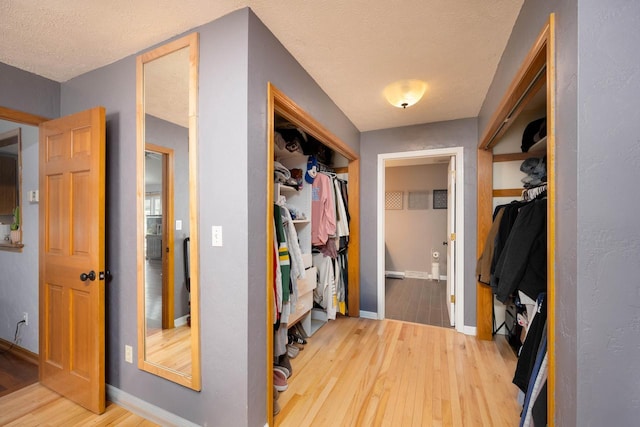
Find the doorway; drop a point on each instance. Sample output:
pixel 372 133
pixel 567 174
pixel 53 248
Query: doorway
pixel 159 247
pixel 450 248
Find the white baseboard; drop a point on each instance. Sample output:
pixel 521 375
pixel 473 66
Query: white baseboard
pixel 416 275
pixel 180 321
pixel 469 330
pixel 368 315
pixel 146 409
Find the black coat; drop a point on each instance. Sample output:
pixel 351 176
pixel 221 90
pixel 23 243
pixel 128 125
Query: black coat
pixel 522 263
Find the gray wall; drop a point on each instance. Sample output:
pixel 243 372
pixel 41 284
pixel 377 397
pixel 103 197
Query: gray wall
pixel 412 234
pixel 232 173
pixel 608 238
pixel 597 233
pixel 269 61
pixel 24 91
pixel 455 133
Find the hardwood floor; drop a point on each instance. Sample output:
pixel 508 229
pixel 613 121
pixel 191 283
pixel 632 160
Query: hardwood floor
pixel 36 405
pixel 417 301
pixel 360 372
pixel 15 372
pixel 352 372
pixel 170 348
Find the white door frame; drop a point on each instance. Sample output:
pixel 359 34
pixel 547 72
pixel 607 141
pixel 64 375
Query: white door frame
pixel 458 153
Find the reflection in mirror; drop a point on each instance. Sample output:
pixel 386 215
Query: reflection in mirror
pixel 10 180
pixel 168 335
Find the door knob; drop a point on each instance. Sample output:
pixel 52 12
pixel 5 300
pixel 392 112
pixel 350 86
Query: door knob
pixel 90 275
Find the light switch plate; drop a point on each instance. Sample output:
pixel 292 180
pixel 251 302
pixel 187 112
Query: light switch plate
pixel 34 196
pixel 216 235
pixel 128 354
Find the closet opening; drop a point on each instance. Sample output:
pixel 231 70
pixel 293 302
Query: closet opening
pixel 312 225
pixel 442 201
pixel 516 227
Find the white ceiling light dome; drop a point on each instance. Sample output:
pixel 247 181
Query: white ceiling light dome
pixel 405 93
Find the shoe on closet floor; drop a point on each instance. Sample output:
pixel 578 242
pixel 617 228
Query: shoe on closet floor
pixel 292 351
pixel 285 362
pixel 296 339
pixel 284 370
pixel 300 331
pixel 276 405
pixel 279 380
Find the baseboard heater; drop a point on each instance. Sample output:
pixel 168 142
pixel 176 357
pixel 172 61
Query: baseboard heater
pixel 394 274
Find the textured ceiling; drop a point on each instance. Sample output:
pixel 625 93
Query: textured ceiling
pixel 353 48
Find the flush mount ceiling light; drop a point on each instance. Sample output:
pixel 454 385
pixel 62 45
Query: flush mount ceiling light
pixel 405 93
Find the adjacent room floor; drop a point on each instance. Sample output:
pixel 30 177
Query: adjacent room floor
pixel 418 301
pixel 15 373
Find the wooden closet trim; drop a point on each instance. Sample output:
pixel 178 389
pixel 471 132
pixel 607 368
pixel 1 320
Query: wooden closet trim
pixel 278 102
pixel 539 62
pixel 284 106
pixel 524 86
pixel 551 218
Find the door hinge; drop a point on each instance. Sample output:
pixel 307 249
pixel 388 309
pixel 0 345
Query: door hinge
pixel 453 237
pixel 453 299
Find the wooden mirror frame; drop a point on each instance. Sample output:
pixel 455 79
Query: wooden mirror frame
pixel 191 42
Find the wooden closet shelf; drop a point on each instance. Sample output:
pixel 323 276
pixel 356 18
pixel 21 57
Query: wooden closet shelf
pixel 13 247
pixel 509 157
pixel 508 192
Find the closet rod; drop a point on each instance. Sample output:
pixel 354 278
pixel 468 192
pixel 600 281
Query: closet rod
pixel 516 106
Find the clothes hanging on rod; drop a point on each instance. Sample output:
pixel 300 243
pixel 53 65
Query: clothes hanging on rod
pixel 330 234
pixel 530 369
pixel 288 268
pixel 323 213
pixel 523 261
pixel 529 194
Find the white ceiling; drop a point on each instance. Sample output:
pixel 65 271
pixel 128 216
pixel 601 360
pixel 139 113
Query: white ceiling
pixel 352 48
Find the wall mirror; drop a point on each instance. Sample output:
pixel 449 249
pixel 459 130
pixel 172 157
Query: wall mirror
pixel 168 308
pixel 10 180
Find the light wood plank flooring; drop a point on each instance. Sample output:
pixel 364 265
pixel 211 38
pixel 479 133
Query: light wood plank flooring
pixel 360 372
pixel 170 348
pixel 417 301
pixel 36 405
pixel 353 372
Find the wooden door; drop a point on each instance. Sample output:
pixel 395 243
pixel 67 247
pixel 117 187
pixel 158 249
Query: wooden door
pixel 72 205
pixel 451 236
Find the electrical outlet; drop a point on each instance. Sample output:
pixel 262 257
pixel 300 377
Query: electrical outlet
pixel 25 317
pixel 128 354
